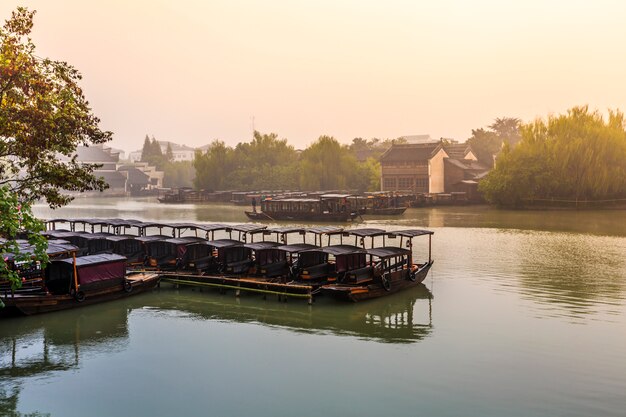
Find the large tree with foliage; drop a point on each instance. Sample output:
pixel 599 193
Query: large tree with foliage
pixel 486 143
pixel 43 114
pixel 576 156
pixel 213 166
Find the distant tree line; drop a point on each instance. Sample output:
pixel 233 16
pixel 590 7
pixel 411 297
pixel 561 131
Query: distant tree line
pixel 272 164
pixel 577 156
pixel 176 173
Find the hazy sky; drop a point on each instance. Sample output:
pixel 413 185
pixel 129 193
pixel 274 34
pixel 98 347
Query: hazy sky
pixel 191 71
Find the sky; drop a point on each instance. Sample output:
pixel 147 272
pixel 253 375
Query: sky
pixel 192 71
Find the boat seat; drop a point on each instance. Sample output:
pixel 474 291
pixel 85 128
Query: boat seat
pixel 315 271
pixel 359 275
pixel 274 269
pixel 238 267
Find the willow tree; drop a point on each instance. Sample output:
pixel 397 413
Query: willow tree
pixel 43 114
pixel 576 156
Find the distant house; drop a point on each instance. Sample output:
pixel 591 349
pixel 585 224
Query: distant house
pixel 432 168
pixel 405 167
pixel 123 179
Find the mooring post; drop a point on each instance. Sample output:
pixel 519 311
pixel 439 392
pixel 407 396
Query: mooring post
pixel 238 291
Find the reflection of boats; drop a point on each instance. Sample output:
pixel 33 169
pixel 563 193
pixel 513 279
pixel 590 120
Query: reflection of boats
pixel 76 282
pixel 404 319
pixel 34 348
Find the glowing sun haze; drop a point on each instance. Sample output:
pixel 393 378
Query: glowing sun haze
pixel 191 71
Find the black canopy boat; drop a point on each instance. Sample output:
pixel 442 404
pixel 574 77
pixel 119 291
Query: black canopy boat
pixel 31 271
pixel 128 246
pixel 389 269
pixel 74 282
pixel 168 254
pixel 329 208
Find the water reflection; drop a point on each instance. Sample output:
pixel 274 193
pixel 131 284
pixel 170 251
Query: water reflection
pixel 40 346
pixel 579 273
pixel 404 319
pixel 596 222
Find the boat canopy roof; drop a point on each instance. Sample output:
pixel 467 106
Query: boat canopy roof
pixel 331 195
pixel 246 227
pixel 152 238
pixel 261 245
pixel 410 232
pixel 292 200
pixel 119 238
pixel 224 243
pixel 297 247
pixel 366 232
pixel 339 249
pixel 89 260
pixel 325 230
pixel 388 252
pixel 186 240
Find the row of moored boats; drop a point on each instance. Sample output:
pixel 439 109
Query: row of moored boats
pixel 96 259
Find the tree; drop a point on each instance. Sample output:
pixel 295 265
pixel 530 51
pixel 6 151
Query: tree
pixel 507 129
pixel 169 155
pixel 43 114
pixel 486 144
pixel 576 156
pixel 17 220
pixel 213 167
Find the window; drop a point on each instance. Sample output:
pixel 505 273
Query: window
pixel 389 183
pixel 405 183
pixel 421 184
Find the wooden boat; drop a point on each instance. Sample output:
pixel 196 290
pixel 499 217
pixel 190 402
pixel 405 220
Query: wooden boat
pixel 323 209
pixel 389 269
pixel 76 282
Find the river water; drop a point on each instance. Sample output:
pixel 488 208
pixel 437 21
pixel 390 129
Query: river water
pixel 523 314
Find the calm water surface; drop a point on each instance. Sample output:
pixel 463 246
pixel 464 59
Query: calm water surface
pixel 523 314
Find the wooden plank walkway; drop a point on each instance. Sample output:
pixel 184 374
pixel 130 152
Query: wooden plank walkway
pixel 238 284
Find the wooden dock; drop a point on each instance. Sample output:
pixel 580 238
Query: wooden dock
pixel 238 284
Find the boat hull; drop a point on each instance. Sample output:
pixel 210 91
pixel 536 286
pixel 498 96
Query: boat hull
pixel 29 304
pixel 365 292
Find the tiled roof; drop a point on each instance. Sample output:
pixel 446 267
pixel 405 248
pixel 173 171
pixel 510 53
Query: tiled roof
pixel 95 153
pixel 409 152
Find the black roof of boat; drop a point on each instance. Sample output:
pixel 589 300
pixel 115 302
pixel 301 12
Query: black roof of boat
pixel 224 243
pixel 410 232
pixel 325 230
pixel 297 247
pixel 119 238
pixel 247 227
pixel 93 259
pixel 388 251
pixel 185 240
pixel 365 232
pixel 262 245
pixel 152 238
pixel 339 249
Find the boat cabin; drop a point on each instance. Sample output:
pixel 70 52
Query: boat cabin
pixel 267 260
pixel 87 273
pixel 329 263
pixel 128 246
pixel 168 253
pixel 230 256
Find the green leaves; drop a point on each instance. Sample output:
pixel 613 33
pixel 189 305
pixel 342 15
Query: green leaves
pixel 576 156
pixel 17 220
pixel 43 114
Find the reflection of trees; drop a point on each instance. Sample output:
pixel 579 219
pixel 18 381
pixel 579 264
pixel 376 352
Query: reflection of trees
pixel 390 319
pixel 38 346
pixel 579 273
